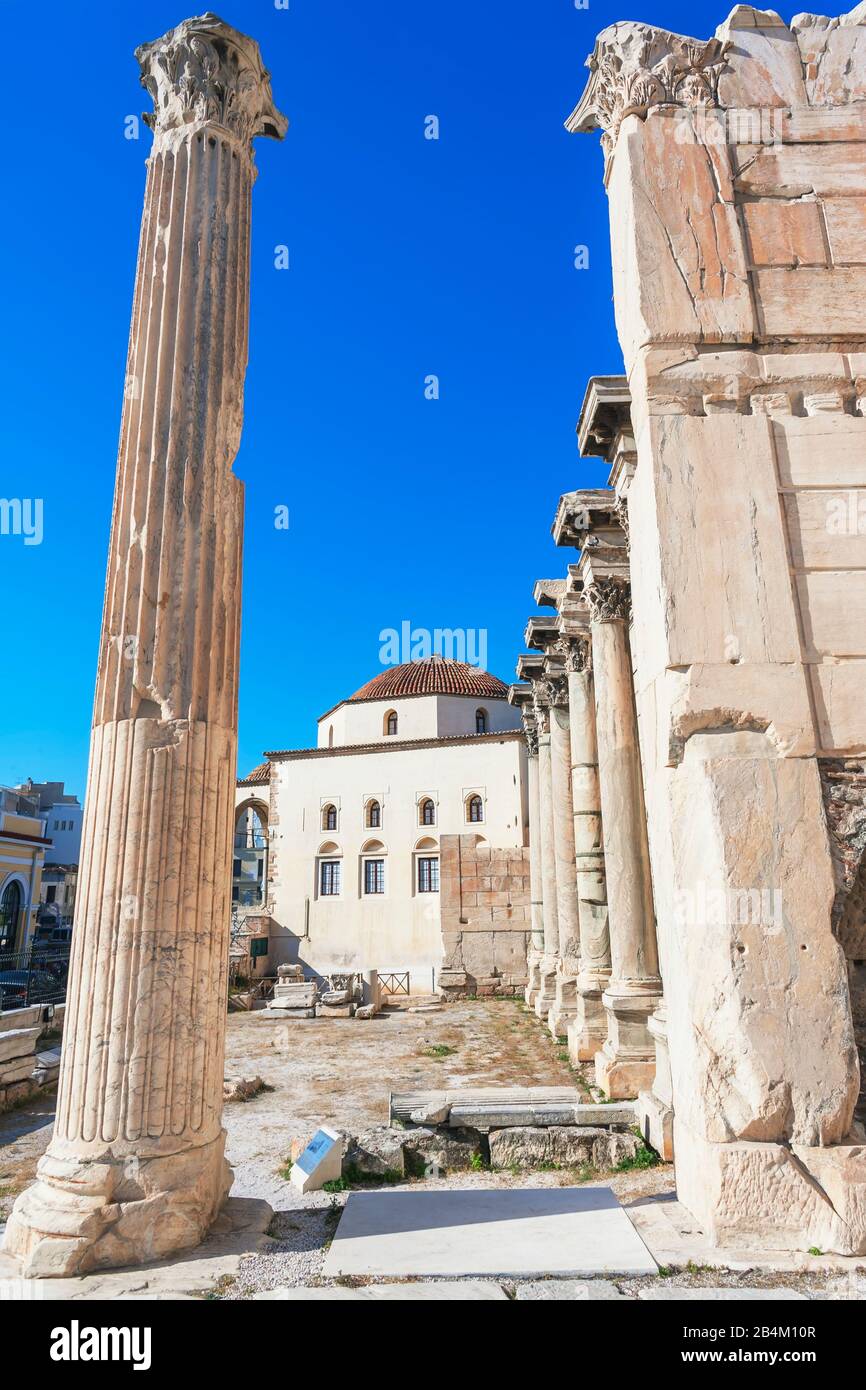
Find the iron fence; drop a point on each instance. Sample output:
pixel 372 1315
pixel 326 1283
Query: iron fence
pixel 35 976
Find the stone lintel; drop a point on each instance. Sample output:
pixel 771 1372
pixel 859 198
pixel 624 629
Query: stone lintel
pixel 520 695
pixel 530 666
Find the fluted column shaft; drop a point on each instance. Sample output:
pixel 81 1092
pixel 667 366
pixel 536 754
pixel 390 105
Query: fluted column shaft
pixel 138 1137
pixel 626 1063
pixel 536 908
pixel 564 1007
pixel 588 1031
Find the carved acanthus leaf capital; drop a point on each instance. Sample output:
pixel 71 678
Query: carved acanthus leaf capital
pixel 609 600
pixel 555 691
pixel 530 729
pixel 635 66
pixel 206 73
pixel 576 652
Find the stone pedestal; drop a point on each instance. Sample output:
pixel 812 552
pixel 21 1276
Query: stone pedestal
pixel 655 1108
pixel 135 1168
pixel 626 1062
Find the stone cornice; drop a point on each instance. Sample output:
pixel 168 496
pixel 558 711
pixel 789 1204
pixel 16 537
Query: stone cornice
pixel 392 745
pixel 588 517
pixel 205 73
pixel 604 415
pixel 636 66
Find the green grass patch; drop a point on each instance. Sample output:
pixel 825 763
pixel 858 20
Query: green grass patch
pixel 439 1050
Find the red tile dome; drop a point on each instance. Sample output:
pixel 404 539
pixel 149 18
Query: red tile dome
pixel 435 675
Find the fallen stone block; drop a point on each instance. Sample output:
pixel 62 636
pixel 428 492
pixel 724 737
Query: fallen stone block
pixel 287 1013
pixel 565 1146
pixel 17 1070
pixel 498 1115
pixel 18 1042
pixel 433 1114
pixel 450 1150
pixel 376 1153
pixel 366 1011
pixel 324 1010
pixel 242 1087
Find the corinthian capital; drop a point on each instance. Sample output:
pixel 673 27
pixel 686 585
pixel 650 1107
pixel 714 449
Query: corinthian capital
pixel 609 600
pixel 206 73
pixel 635 66
pixel 576 652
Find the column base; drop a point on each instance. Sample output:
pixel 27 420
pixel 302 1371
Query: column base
pixel 533 968
pixel 774 1196
pixel 656 1123
pixel 626 1064
pixel 546 997
pixel 564 1007
pixel 99 1213
pixel 587 1032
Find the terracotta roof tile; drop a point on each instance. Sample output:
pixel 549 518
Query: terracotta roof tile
pixel 435 675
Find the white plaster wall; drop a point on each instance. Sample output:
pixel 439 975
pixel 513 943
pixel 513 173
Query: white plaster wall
pixel 400 929
pixel 419 716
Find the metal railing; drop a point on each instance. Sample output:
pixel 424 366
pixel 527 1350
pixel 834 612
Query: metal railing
pixel 35 976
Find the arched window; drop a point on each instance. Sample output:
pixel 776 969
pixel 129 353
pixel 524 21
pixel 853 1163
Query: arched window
pixel 481 721
pixel 427 812
pixel 390 725
pixel 331 737
pixel 475 809
pixel 329 818
pixel 374 814
pixel 10 911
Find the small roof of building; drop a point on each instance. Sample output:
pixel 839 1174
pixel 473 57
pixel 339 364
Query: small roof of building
pixel 434 675
pixel 257 777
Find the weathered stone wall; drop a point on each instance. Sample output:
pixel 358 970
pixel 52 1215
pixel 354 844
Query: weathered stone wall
pixel 486 917
pixel 737 183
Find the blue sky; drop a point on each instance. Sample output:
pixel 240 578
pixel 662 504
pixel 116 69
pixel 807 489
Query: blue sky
pixel 408 257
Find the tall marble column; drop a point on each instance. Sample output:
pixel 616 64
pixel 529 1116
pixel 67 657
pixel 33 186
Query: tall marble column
pixel 587 1031
pixel 626 1063
pixel 550 910
pixel 521 696
pixel 136 1168
pixel 564 1006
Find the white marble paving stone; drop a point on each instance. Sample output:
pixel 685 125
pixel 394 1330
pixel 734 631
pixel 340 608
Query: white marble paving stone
pixel 578 1231
pixel 570 1291
pixel 668 1294
pixel 446 1291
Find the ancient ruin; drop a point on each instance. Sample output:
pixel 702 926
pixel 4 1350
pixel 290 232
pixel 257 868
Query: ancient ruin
pixel 717 606
pixel 688 881
pixel 136 1168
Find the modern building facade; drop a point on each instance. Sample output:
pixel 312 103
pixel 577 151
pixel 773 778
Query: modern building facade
pixel 345 839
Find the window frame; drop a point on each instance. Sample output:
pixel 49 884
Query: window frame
pixel 427 861
pixel 335 867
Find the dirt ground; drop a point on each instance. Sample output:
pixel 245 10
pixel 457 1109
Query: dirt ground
pixel 340 1072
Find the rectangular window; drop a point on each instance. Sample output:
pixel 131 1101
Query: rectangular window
pixel 51 894
pixel 428 875
pixel 236 872
pixel 374 875
pixel 329 878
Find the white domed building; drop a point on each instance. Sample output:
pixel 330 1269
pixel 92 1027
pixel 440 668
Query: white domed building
pixel 398 843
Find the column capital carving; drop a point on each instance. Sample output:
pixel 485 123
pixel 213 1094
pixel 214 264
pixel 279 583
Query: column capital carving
pixel 204 72
pixel 555 688
pixel 636 66
pixel 609 599
pixel 576 652
pixel 530 729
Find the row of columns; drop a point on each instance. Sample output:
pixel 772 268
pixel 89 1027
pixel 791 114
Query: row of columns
pixel 593 970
